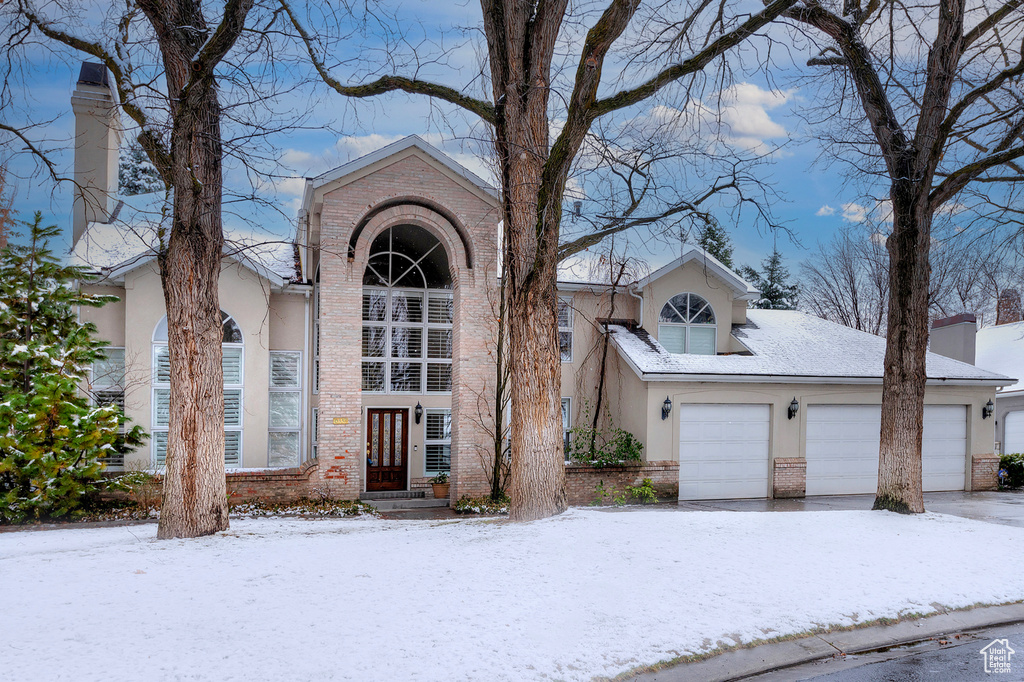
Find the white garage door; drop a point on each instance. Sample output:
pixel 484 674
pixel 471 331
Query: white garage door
pixel 723 451
pixel 842 448
pixel 1013 432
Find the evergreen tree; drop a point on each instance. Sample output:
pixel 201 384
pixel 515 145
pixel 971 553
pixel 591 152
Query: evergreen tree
pixel 777 292
pixel 136 174
pixel 51 437
pixel 715 240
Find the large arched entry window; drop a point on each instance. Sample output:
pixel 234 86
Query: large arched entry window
pixel 232 363
pixel 407 314
pixel 687 325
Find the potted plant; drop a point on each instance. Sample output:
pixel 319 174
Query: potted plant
pixel 440 485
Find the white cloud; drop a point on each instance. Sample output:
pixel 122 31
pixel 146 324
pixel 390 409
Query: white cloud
pixel 883 211
pixel 825 210
pixel 854 213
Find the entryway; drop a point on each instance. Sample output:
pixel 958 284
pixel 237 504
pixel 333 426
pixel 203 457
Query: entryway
pixel 387 449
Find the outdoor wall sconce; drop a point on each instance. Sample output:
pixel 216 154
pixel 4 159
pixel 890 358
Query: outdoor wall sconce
pixel 987 411
pixel 666 407
pixel 418 412
pixel 794 407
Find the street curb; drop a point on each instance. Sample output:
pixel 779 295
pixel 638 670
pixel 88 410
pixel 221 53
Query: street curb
pixel 741 663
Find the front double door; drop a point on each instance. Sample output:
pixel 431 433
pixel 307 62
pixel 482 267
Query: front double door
pixel 387 448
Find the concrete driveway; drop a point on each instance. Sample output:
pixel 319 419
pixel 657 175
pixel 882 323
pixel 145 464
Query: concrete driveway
pixel 1005 507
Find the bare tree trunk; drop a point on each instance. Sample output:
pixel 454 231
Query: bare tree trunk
pixel 903 383
pixel 195 490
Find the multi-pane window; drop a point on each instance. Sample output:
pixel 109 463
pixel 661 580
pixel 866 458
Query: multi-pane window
pixel 565 315
pixel 407 314
pixel 566 425
pixel 107 384
pixel 687 325
pixel 406 341
pixel 285 408
pixel 232 365
pixel 438 441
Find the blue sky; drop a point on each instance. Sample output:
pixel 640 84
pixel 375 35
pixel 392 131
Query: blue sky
pixel 812 201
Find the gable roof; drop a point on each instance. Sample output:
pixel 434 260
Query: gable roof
pixel 691 252
pixel 786 346
pixel 1001 349
pixel 412 141
pixel 131 239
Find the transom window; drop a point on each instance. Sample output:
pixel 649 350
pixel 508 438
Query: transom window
pixel 407 314
pixel 687 325
pixel 232 364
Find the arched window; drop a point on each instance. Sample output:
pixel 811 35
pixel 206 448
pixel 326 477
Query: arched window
pixel 687 325
pixel 407 314
pixel 232 364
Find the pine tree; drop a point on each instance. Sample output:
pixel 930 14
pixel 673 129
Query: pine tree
pixel 715 240
pixel 51 437
pixel 136 174
pixel 777 292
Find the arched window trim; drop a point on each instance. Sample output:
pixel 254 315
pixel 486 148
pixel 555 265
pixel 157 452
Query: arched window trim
pixel 693 333
pixel 234 392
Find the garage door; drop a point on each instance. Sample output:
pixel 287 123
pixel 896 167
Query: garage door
pixel 1013 432
pixel 723 451
pixel 842 448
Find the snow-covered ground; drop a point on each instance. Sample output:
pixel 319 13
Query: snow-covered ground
pixel 587 593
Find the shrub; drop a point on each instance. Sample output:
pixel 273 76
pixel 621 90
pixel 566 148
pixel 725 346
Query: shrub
pixel 482 505
pixel 1014 467
pixel 644 492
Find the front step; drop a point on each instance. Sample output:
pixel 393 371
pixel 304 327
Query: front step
pixel 400 504
pixel 393 495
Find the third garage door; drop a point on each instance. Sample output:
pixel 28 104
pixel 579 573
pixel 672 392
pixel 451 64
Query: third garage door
pixel 842 448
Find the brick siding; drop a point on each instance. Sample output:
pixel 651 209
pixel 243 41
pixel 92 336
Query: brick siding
pixel 985 472
pixel 581 481
pixel 789 477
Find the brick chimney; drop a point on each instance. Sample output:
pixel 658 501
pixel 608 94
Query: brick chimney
pixel 97 146
pixel 955 337
pixel 1008 307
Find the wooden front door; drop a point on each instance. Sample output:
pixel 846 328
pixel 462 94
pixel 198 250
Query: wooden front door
pixel 387 449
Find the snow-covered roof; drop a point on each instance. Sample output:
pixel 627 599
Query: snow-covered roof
pixel 395 148
pixel 1001 349
pixel 786 346
pixel 691 252
pixel 132 239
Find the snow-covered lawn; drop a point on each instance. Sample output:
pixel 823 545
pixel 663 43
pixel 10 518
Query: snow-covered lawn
pixel 587 593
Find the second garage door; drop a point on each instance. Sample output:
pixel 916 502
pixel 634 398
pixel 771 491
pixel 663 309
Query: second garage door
pixel 1013 432
pixel 842 448
pixel 723 451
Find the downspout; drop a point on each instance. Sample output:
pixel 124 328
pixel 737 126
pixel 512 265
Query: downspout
pixel 640 322
pixel 304 434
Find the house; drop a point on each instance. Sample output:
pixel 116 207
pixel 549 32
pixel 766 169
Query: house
pixel 359 357
pixel 998 348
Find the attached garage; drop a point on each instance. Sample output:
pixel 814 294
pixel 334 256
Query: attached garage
pixel 1013 432
pixel 842 448
pixel 723 451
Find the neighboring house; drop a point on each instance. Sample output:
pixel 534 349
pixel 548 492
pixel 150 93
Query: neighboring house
pixel 361 358
pixel 1000 349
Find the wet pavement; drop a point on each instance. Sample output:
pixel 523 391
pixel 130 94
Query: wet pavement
pixel 1005 507
pixel 954 658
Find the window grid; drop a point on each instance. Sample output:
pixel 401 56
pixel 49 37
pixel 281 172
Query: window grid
pixel 406 341
pixel 285 406
pixel 437 439
pixel 106 382
pixel 686 325
pixel 565 323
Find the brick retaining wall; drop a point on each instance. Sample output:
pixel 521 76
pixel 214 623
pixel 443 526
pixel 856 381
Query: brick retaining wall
pixel 581 481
